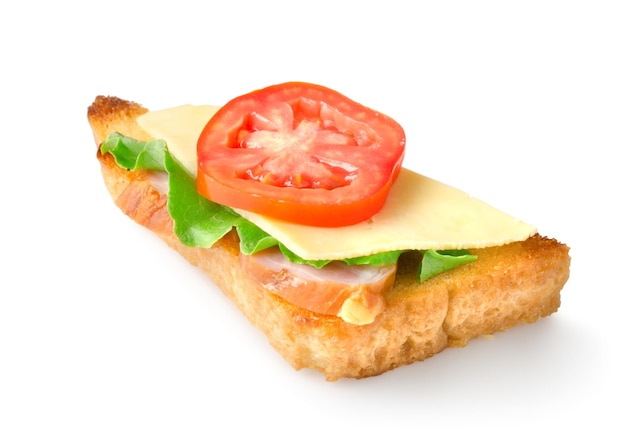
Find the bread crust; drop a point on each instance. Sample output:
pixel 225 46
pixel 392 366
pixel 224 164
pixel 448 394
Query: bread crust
pixel 506 286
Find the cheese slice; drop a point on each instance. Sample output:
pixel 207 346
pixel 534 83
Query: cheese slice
pixel 420 213
pixel 180 127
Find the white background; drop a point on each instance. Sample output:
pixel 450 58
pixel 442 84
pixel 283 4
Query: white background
pixel 106 334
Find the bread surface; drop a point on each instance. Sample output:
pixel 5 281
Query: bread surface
pixel 506 286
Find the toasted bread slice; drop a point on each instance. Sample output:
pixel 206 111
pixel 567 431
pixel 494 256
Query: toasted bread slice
pixel 506 286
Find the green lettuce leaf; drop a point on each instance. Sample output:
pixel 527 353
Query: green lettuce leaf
pixel 133 155
pixel 295 258
pixel 198 222
pixel 378 259
pixel 252 238
pixel 435 262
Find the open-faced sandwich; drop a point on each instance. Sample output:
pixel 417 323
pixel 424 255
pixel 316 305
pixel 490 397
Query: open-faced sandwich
pixel 294 200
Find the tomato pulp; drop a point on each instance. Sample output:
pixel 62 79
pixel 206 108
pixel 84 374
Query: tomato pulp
pixel 302 153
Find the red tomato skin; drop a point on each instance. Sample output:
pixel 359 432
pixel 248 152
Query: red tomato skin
pixel 260 152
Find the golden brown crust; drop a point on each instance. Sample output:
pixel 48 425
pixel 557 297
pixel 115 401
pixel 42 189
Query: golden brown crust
pixel 506 286
pixel 111 114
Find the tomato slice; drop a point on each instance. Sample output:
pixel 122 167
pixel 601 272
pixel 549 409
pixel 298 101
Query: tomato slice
pixel 302 153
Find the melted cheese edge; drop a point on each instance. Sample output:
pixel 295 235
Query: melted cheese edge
pixel 420 213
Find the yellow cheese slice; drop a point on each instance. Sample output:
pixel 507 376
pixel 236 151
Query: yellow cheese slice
pixel 180 127
pixel 420 213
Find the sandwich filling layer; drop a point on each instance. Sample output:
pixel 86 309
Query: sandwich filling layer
pixel 420 213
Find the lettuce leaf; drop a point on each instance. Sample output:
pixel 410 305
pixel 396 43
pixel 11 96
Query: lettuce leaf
pixel 133 155
pixel 253 239
pixel 435 262
pixel 199 222
pixel 378 259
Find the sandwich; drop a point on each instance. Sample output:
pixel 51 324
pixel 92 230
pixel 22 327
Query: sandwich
pixel 294 200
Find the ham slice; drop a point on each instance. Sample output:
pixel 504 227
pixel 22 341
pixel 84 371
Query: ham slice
pixel 354 293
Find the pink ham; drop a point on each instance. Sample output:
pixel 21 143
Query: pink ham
pixel 356 293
